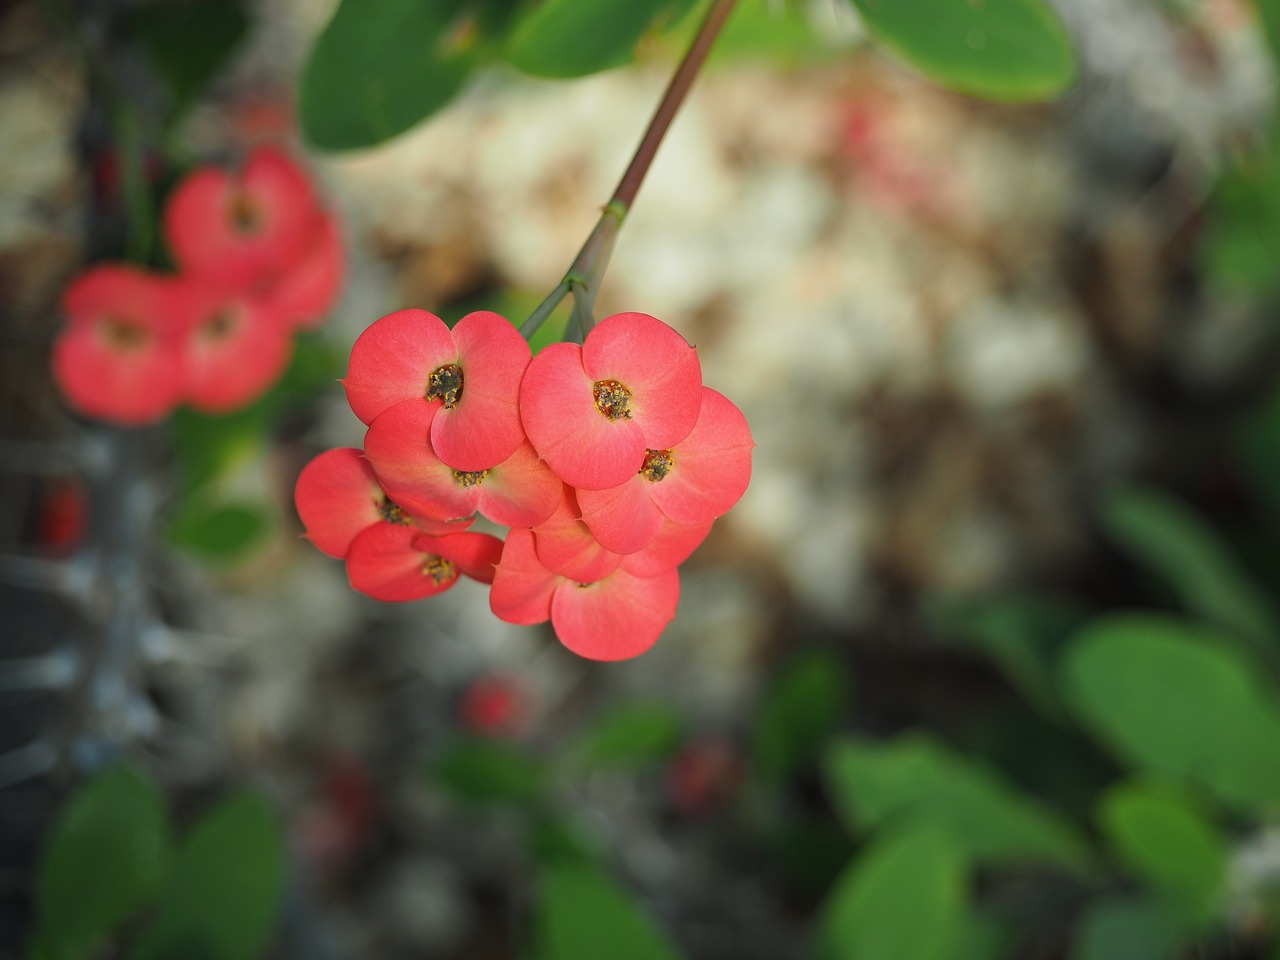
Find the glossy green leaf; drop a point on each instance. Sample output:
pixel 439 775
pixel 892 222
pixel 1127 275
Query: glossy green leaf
pixel 583 915
pixel 1173 697
pixel 1163 839
pixel 573 38
pixel 1006 50
pixel 903 897
pixel 224 895
pixel 381 66
pixel 635 733
pixel 487 771
pixel 219 532
pixel 989 819
pixel 188 42
pixel 1178 546
pixel 801 707
pixel 106 856
pixel 1132 929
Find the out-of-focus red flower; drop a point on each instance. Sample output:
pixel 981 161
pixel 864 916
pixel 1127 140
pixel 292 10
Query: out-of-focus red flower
pixel 494 706
pixel 592 411
pixel 618 617
pixel 705 775
pixel 63 516
pixel 120 356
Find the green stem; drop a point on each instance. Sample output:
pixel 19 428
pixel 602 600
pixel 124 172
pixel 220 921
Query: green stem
pixel 587 271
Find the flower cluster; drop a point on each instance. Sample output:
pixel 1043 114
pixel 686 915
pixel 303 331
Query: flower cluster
pixel 257 259
pixel 608 462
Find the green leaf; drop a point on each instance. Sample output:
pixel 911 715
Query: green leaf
pixel 1173 697
pixel 212 447
pixel 1269 16
pixel 635 733
pixel 1256 441
pixel 1243 224
pixel 188 42
pixel 219 532
pixel 574 38
pixel 583 915
pixel 1008 50
pixel 903 898
pixel 486 771
pixel 800 709
pixel 1132 929
pixel 1178 546
pixel 106 856
pixel 225 892
pixel 1165 840
pixel 381 66
pixel 989 819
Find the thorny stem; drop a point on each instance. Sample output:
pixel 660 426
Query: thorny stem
pixel 584 275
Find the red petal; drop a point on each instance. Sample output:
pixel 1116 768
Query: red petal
pixel 581 445
pixel 304 291
pixel 483 428
pixel 522 587
pixel 519 492
pixel 393 358
pixel 564 544
pixel 384 564
pixel 337 496
pixel 657 365
pixel 622 518
pixel 234 352
pixel 711 468
pixel 670 548
pixel 476 554
pixel 620 617
pixel 129 381
pixel 397 446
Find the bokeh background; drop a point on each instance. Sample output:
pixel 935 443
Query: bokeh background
pixel 1011 370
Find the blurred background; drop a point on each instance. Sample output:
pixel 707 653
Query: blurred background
pixel 984 663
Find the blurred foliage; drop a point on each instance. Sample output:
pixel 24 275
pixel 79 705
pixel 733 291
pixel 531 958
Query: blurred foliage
pixel 188 43
pixel 109 857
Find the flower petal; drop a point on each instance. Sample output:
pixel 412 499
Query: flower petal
pixel 670 548
pixel 623 518
pixel 581 445
pixel 234 351
pixel 484 428
pixel 476 554
pixel 659 367
pixel 393 358
pixel 617 618
pixel 337 496
pixel 521 491
pixel 303 291
pixel 398 447
pixel 384 564
pixel 712 466
pixel 522 587
pixel 564 544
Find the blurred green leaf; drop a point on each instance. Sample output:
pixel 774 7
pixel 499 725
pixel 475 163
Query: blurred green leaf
pixel 903 897
pixel 224 894
pixel 582 915
pixel 219 532
pixel 982 938
pixel 634 733
pixel 1021 633
pixel 486 771
pixel 1256 440
pixel 188 42
pixel 554 838
pixel 988 818
pixel 801 707
pixel 1242 229
pixel 212 447
pixel 106 855
pixel 1178 546
pixel 381 66
pixel 573 38
pixel 1129 929
pixel 1166 841
pixel 1269 16
pixel 1173 697
pixel 761 29
pixel 1008 50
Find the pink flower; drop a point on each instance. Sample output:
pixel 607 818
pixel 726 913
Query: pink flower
pixel 519 492
pixel 119 358
pixel 299 295
pixel 470 375
pixel 395 563
pixel 616 618
pixel 592 411
pixel 234 227
pixel 696 480
pixel 338 497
